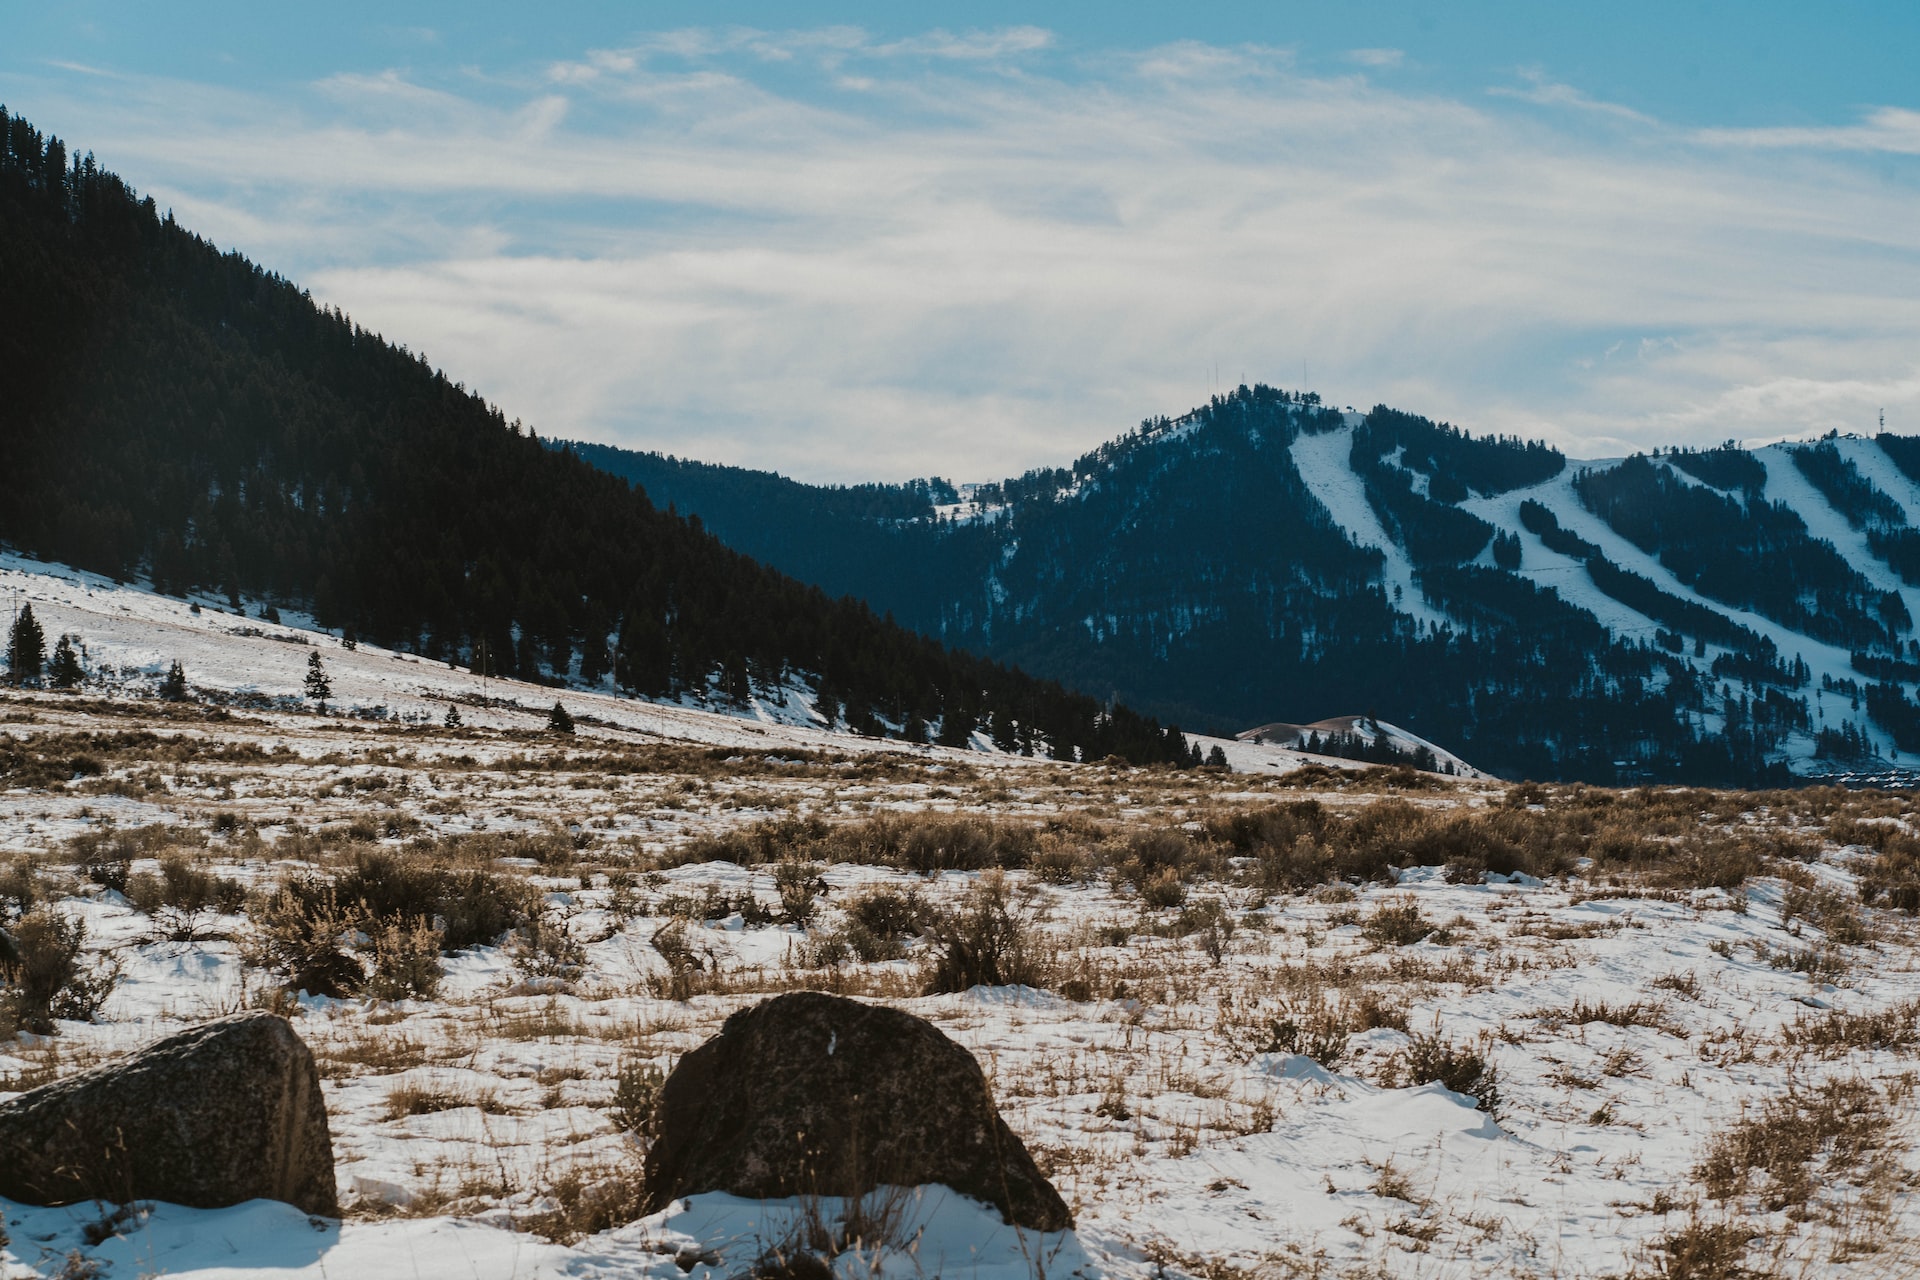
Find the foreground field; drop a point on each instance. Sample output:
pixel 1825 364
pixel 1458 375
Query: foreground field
pixel 1322 1023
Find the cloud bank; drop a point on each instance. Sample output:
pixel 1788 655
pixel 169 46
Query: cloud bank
pixel 971 253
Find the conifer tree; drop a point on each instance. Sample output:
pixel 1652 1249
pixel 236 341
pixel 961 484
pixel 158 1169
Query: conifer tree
pixel 453 717
pixel 65 672
pixel 319 688
pixel 174 687
pixel 26 647
pixel 593 657
pixel 558 720
pixel 956 729
pixel 826 705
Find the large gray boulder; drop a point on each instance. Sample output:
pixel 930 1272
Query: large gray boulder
pixel 228 1111
pixel 812 1094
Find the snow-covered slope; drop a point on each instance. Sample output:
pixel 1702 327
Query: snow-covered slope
pixel 1362 729
pixel 128 636
pixel 1834 679
pixel 1322 460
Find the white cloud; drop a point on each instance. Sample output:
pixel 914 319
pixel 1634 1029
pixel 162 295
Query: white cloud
pixel 828 46
pixel 969 46
pixel 709 242
pixel 1382 58
pixel 1890 129
pixel 1543 92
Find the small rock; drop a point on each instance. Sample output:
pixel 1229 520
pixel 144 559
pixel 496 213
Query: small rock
pixel 224 1112
pixel 813 1094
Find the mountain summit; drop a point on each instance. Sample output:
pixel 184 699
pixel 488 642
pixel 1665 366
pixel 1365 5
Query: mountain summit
pixel 1717 616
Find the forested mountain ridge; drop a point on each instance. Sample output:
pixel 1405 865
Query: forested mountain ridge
pixel 1723 615
pixel 170 410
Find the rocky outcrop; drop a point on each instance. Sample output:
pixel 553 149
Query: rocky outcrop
pixel 812 1094
pixel 225 1112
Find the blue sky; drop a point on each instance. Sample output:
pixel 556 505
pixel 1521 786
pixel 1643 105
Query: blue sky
pixel 871 241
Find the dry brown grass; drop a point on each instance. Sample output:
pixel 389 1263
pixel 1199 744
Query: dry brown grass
pixel 586 1200
pixel 377 1051
pixel 1396 922
pixel 412 1098
pixel 1837 1032
pixel 1632 1013
pixel 1810 1138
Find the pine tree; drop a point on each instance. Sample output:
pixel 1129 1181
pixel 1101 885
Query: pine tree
pixel 174 687
pixel 26 647
pixel 826 705
pixel 453 717
pixel 558 720
pixel 319 688
pixel 1217 756
pixel 65 671
pixel 593 658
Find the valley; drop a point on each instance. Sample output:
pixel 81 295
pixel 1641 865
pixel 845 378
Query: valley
pixel 1345 846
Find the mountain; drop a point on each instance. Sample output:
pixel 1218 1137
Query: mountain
pixel 171 411
pixel 1718 616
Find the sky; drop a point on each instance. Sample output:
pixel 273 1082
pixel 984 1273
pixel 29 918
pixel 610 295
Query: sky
pixel 874 241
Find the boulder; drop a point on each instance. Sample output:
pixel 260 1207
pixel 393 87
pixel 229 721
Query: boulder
pixel 812 1094
pixel 228 1111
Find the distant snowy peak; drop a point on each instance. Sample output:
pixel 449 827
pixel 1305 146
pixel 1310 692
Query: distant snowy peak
pixel 1360 737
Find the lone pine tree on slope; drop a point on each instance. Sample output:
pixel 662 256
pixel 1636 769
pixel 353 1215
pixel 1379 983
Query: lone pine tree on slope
pixel 26 647
pixel 319 688
pixel 65 672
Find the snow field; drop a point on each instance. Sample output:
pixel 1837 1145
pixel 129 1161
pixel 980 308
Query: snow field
pixel 1630 1026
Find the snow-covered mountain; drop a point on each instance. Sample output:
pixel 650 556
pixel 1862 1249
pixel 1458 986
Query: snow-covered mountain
pixel 1725 616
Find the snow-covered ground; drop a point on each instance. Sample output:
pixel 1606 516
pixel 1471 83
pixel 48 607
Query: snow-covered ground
pixel 1168 1075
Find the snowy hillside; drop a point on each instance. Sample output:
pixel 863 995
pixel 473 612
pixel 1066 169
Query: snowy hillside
pixel 127 636
pixel 1362 733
